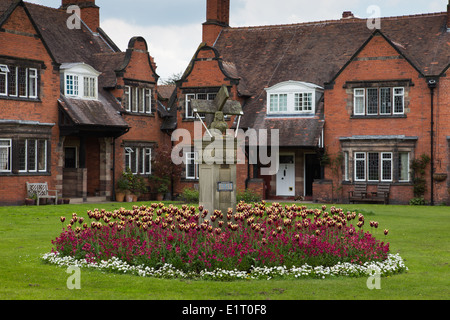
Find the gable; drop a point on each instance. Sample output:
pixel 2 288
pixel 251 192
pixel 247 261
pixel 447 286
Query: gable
pixel 207 69
pixel 19 22
pixel 380 55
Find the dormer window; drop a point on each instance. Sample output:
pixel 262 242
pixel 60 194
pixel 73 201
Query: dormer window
pixel 293 98
pixel 80 81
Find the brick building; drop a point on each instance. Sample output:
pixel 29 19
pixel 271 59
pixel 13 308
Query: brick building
pixel 77 118
pixel 74 109
pixel 328 87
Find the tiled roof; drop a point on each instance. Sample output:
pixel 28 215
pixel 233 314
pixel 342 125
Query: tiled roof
pixel 315 52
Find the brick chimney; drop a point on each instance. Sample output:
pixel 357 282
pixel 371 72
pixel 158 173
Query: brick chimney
pixel 90 12
pixel 217 18
pixel 448 15
pixel 347 15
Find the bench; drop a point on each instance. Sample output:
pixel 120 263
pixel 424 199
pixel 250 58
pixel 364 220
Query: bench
pixel 358 194
pixel 382 194
pixel 41 191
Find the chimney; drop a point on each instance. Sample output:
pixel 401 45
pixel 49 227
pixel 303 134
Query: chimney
pixel 217 18
pixel 347 15
pixel 448 15
pixel 90 12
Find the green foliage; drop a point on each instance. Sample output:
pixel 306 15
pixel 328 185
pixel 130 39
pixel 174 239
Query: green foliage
pixel 418 201
pixel 419 165
pixel 190 195
pixel 248 196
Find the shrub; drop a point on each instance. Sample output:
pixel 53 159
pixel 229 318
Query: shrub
pixel 190 195
pixel 248 196
pixel 418 201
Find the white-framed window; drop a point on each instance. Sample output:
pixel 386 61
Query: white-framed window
pixel 189 113
pixel 192 167
pixel 5 155
pixel 359 101
pixel 90 87
pixel 139 160
pixel 278 102
pixel 72 86
pixel 4 70
pixel 378 101
pixel 293 98
pixel 80 80
pixel 33 83
pixel 399 100
pixel 138 100
pixel 346 176
pixel 373 166
pixel 403 167
pixel 360 166
pixel 18 82
pixel 32 155
pixel 386 166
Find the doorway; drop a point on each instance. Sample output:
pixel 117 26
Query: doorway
pixel 312 172
pixel 286 175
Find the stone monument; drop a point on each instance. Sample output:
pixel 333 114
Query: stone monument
pixel 217 153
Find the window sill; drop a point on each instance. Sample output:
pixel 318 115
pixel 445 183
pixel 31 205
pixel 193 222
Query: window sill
pixel 390 116
pixel 25 174
pixel 374 183
pixel 139 114
pixel 20 99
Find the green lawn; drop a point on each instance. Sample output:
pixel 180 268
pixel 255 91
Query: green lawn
pixel 420 234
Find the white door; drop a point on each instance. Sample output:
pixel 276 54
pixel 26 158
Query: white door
pixel 286 176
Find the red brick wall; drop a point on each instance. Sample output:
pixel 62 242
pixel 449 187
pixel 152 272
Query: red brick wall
pixel 384 64
pixel 26 45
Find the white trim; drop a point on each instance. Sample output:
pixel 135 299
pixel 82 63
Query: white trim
pixel 9 159
pixel 391 160
pixel 402 95
pixel 363 96
pixel 355 166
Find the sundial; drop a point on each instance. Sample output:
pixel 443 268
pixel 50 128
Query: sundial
pixel 215 110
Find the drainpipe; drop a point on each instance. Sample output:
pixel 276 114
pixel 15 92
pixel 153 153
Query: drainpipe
pixel 113 195
pixel 432 83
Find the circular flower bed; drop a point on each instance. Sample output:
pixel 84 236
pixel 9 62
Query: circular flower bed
pixel 253 242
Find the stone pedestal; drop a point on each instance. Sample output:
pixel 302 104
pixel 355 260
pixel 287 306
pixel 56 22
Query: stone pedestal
pixel 217 173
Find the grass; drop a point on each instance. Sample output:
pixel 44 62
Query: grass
pixel 419 234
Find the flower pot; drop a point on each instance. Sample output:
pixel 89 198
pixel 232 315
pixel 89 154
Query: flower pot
pixel 159 197
pixel 129 198
pixel 30 202
pixel 135 198
pixel 120 196
pixel 440 177
pixel 66 201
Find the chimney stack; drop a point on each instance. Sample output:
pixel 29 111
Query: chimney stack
pixel 347 15
pixel 90 12
pixel 448 15
pixel 217 18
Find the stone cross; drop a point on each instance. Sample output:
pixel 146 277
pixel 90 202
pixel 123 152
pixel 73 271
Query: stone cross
pixel 218 108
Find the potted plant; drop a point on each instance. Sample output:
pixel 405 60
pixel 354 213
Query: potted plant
pixel 123 186
pixel 31 201
pixel 138 187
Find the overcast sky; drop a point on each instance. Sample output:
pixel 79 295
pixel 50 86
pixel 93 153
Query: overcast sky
pixel 172 28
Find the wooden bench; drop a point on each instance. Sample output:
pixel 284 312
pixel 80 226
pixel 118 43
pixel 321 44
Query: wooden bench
pixel 382 194
pixel 358 194
pixel 41 191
